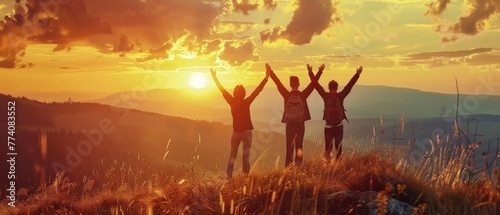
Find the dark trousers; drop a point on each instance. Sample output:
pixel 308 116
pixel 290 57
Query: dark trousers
pixel 236 139
pixel 294 138
pixel 336 133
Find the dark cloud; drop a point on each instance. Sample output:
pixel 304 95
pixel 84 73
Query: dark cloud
pixel 271 35
pixel 12 48
pixel 151 23
pixel 8 63
pixel 449 39
pixel 474 22
pixel 244 7
pixel 270 4
pixel 68 68
pixel 47 22
pixel 158 54
pixel 211 46
pixel 470 24
pixel 437 7
pixel 26 65
pixel 72 22
pixel 310 19
pixel 123 45
pixel 472 57
pixel 478 56
pixel 267 21
pixel 236 53
pixel 484 59
pixel 155 21
pixel 448 54
pixel 108 26
pixel 60 47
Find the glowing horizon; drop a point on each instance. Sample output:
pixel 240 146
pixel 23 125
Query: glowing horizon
pixel 113 48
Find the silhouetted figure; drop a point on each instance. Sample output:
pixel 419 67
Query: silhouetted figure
pixel 242 123
pixel 295 113
pixel 334 111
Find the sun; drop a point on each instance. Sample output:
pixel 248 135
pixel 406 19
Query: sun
pixel 198 80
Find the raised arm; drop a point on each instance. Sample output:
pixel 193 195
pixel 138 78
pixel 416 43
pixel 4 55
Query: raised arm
pixel 321 91
pixel 283 91
pixel 310 72
pixel 347 89
pixel 259 88
pixel 314 81
pixel 229 99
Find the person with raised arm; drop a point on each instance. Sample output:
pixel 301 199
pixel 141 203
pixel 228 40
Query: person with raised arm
pixel 334 111
pixel 242 122
pixel 296 112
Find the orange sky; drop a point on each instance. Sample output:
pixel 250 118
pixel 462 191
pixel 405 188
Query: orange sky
pixel 114 45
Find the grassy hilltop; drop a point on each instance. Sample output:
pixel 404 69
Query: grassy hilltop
pixel 138 170
pixel 369 183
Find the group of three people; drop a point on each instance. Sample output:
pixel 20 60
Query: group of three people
pixel 296 112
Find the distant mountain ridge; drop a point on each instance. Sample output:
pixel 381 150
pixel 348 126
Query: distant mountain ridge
pixel 363 102
pixel 173 144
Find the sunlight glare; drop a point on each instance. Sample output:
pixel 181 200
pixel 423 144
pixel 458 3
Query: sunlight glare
pixel 198 81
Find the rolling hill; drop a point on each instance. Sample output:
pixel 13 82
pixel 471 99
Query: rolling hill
pixel 89 139
pixel 130 154
pixel 365 105
pixel 135 131
pixel 363 102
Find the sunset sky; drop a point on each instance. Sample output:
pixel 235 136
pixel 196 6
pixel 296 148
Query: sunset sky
pixel 112 45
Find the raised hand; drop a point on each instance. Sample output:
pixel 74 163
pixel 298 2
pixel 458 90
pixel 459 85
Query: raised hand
pixel 309 68
pixel 321 68
pixel 268 67
pixel 310 71
pixel 213 72
pixel 268 72
pixel 359 70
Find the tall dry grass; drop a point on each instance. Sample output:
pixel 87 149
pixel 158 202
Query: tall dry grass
pixel 367 180
pixel 313 188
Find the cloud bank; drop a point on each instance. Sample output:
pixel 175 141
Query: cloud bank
pixel 436 8
pixel 480 12
pixel 311 18
pixel 109 26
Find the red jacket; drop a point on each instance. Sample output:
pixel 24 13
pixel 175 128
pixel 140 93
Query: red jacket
pixel 240 109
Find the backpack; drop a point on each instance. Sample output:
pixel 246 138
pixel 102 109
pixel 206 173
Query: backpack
pixel 334 112
pixel 294 108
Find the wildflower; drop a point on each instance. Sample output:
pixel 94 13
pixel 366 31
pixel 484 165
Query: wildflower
pixel 382 203
pixel 401 188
